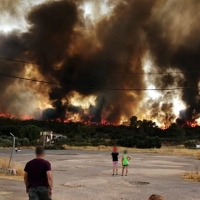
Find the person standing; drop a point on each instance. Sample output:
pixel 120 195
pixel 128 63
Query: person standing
pixel 115 155
pixel 38 177
pixel 125 163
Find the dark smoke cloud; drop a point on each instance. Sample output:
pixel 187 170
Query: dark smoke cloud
pixel 174 42
pixel 88 58
pixel 96 112
pixel 52 32
pixel 11 46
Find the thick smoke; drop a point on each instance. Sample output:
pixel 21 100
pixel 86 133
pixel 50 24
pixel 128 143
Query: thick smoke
pixel 53 37
pixel 173 36
pixel 8 7
pixel 97 57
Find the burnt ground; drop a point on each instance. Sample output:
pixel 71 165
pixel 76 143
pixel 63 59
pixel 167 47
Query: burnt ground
pixel 86 175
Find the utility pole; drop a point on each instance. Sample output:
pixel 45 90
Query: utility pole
pixel 13 149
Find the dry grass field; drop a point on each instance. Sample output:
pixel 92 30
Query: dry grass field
pixel 178 150
pixel 4 162
pixel 167 150
pixel 194 176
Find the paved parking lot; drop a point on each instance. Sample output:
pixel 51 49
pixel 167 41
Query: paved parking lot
pixel 86 175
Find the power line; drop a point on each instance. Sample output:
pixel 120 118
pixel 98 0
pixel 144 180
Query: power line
pixel 28 79
pixel 155 73
pixel 116 73
pixel 97 88
pixel 15 60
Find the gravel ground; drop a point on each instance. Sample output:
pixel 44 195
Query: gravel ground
pixel 86 175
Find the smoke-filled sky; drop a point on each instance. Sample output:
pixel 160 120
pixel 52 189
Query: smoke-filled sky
pixel 96 51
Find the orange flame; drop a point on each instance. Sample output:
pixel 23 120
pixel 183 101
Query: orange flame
pixel 192 124
pixel 164 127
pixel 6 115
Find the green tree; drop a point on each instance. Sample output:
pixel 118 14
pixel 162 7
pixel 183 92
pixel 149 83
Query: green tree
pixel 133 122
pixel 177 132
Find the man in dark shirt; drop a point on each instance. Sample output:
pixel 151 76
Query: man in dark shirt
pixel 115 155
pixel 38 177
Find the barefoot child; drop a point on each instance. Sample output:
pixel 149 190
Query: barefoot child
pixel 125 163
pixel 115 155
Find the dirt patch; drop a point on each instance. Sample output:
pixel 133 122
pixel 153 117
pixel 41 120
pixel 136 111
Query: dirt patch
pixel 11 177
pixel 67 154
pixel 139 183
pixel 74 186
pixel 86 182
pixel 5 193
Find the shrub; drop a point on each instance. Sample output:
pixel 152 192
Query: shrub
pixel 158 142
pixel 140 144
pixel 190 144
pixel 52 147
pixel 25 142
pixel 149 142
pixel 6 143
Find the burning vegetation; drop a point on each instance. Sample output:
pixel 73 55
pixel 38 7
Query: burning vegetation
pixel 103 60
pixel 137 133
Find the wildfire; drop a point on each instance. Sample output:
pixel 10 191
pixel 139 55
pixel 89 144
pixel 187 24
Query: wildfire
pixel 6 115
pixel 164 127
pixel 27 117
pixel 89 121
pixel 192 124
pixel 105 122
pixel 10 116
pixel 187 123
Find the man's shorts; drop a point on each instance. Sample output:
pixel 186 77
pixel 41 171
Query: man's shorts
pixel 39 193
pixel 115 163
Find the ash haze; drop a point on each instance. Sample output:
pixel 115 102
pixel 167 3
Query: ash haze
pixel 98 45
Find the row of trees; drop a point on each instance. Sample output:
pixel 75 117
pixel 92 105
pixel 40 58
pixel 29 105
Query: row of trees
pixel 6 141
pixel 140 134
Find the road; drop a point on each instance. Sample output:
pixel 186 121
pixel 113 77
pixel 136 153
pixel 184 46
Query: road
pixel 86 175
